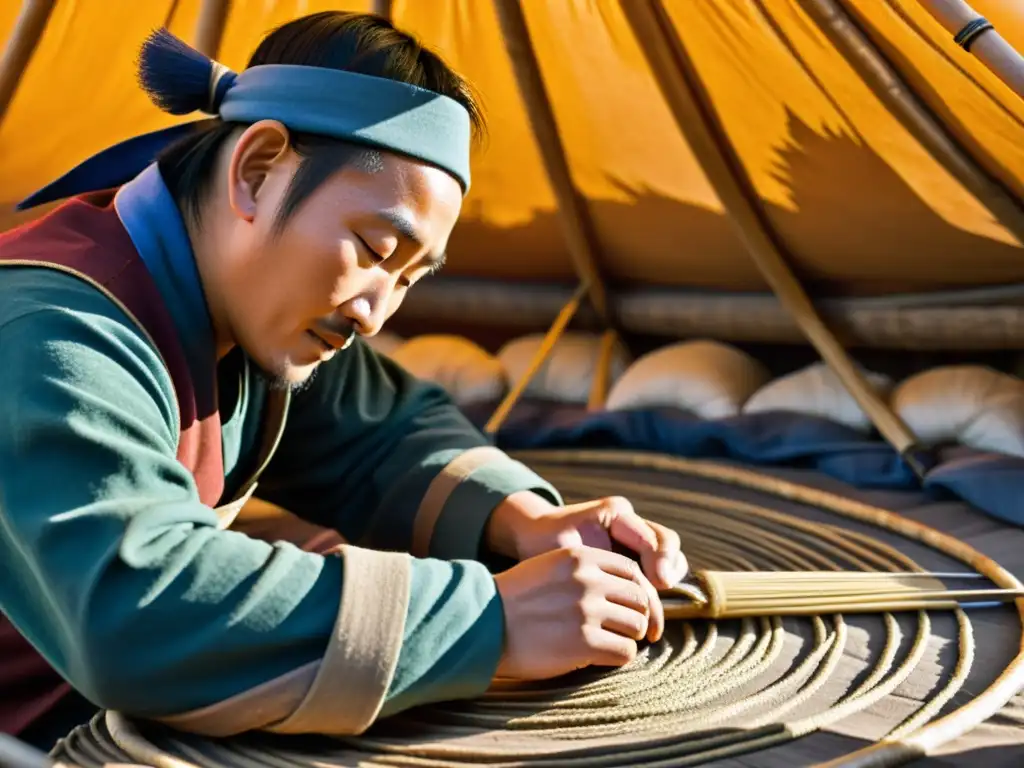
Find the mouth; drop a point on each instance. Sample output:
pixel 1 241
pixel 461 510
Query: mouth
pixel 340 342
pixel 320 342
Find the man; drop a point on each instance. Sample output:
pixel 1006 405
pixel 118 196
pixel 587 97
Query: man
pixel 168 344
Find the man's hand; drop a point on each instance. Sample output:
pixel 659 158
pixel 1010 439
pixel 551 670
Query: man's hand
pixel 525 525
pixel 571 608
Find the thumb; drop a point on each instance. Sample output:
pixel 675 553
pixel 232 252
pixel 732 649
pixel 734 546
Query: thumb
pixel 627 529
pixel 615 518
pixel 578 524
pixel 570 538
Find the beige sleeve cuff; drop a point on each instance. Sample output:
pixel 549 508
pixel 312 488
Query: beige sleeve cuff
pixel 440 490
pixel 342 693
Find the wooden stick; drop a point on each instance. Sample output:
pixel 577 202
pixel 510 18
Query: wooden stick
pixel 546 347
pixel 25 37
pixel 573 213
pixel 731 594
pixel 603 371
pixel 213 17
pixel 696 118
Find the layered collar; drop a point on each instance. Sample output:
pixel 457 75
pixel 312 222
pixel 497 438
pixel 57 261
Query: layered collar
pixel 156 227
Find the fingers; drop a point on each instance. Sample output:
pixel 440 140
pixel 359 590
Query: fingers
pixel 615 564
pixel 633 590
pixel 610 649
pixel 670 562
pixel 627 527
pixel 631 594
pixel 624 621
pixel 656 619
pixel 658 546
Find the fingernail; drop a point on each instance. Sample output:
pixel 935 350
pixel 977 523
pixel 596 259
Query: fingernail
pixel 666 572
pixel 682 566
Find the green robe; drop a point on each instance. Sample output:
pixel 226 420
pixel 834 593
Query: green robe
pixel 117 573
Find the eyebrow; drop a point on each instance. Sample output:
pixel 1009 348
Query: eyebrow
pixel 404 227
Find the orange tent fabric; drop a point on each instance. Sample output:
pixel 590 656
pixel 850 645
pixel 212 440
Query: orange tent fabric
pixel 860 204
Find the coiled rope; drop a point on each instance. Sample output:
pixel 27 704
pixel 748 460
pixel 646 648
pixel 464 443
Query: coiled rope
pixel 708 690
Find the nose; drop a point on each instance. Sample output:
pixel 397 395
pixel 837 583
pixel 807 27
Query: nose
pixel 369 310
pixel 360 312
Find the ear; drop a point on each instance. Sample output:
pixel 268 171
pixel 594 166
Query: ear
pixel 260 150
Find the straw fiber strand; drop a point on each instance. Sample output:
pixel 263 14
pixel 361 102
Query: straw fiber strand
pixel 853 689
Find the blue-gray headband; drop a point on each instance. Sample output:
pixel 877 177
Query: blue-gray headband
pixel 373 111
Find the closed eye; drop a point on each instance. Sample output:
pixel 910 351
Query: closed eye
pixel 374 256
pixel 377 259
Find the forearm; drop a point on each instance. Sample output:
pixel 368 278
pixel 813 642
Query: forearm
pixel 391 463
pixel 407 632
pixel 443 512
pixel 164 622
pixel 454 636
pixel 217 633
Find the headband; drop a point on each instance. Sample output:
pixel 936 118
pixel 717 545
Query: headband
pixel 373 111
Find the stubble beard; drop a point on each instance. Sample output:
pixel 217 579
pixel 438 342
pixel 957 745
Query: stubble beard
pixel 279 381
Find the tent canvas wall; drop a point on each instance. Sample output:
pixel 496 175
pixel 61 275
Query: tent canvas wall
pixel 663 148
pixel 671 156
pixel 835 172
pixel 862 198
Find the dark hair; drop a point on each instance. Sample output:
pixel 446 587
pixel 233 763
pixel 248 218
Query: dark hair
pixel 354 42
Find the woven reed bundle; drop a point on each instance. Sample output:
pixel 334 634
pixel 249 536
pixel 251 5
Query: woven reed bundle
pixel 711 690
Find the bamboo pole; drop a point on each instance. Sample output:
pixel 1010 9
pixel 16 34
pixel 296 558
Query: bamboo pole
pixel 991 48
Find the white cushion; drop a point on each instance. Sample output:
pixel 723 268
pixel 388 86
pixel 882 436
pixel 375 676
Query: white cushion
pixel 707 378
pixel 384 343
pixel 970 404
pixel 817 391
pixel 568 373
pixel 467 371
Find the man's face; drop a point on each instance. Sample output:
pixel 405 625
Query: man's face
pixel 341 264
